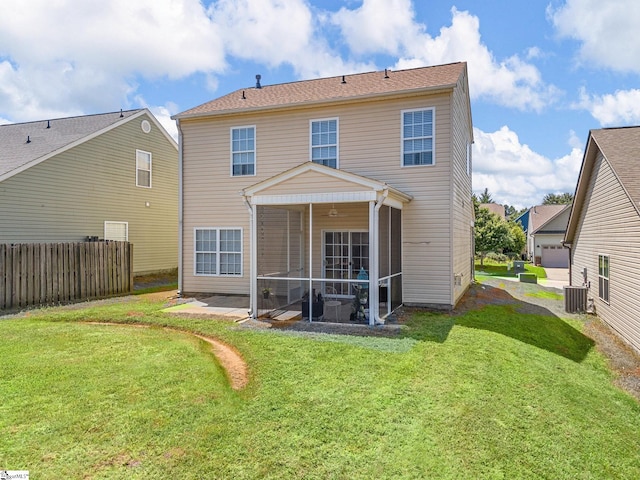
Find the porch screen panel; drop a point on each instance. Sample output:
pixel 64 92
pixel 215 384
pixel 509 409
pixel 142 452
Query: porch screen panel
pixel 396 258
pixel 359 253
pixel 272 233
pixel 336 258
pixel 396 241
pixel 384 242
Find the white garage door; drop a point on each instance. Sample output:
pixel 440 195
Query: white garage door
pixel 555 256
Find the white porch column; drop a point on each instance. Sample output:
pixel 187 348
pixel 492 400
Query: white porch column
pixel 310 263
pixel 373 263
pixel 253 298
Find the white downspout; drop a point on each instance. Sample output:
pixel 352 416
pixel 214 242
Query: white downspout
pixel 180 206
pixel 253 256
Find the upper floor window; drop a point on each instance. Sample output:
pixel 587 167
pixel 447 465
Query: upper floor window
pixel 324 142
pixel 143 169
pixel 243 151
pixel 603 277
pixel 417 137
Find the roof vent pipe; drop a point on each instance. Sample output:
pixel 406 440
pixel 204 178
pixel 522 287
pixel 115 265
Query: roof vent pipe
pixel 258 77
pixel 48 124
pixel 121 114
pixel 28 139
pixel 386 75
pixel 343 80
pixel 243 95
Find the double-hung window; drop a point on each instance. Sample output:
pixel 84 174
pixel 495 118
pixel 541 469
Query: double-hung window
pixel 417 137
pixel 324 142
pixel 243 151
pixel 218 251
pixel 143 169
pixel 603 277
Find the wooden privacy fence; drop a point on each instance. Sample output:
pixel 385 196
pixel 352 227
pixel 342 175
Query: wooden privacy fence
pixel 52 273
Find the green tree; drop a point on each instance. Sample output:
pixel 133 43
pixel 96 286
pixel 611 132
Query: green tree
pixel 485 197
pixel 492 233
pixel 517 239
pixel 557 199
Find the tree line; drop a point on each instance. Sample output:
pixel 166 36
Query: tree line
pixel 503 235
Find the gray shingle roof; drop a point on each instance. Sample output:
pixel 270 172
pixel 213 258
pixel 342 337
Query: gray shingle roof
pixel 621 147
pixel 16 152
pixel 332 89
pixel 542 214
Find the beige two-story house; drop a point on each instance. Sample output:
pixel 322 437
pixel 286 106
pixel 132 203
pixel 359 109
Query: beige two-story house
pixel 342 197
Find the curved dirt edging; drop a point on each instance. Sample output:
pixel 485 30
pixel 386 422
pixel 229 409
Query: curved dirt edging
pixel 230 360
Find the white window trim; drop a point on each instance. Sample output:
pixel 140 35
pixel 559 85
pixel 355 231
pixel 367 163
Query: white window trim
pixel 255 150
pixel 433 136
pixel 337 119
pixel 469 157
pixel 150 169
pixel 608 278
pixel 241 252
pixel 126 229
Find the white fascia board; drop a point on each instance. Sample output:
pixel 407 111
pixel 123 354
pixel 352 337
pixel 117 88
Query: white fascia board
pixel 306 198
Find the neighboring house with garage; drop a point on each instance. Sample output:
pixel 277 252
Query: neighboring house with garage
pixel 352 190
pixel 604 228
pixel 111 176
pixel 545 229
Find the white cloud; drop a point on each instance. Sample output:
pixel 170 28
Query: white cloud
pixel 607 31
pixel 277 32
pixel 612 109
pixel 515 174
pixel 68 57
pixel 379 26
pixel 390 27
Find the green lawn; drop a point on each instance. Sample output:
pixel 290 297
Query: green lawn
pixel 500 269
pixel 490 394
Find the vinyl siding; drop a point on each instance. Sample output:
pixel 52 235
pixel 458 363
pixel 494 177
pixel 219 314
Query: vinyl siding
pixel 69 196
pixel 609 224
pixel 370 145
pixel 461 205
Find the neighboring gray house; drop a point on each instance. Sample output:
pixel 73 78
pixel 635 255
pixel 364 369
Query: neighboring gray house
pixel 604 228
pixel 108 176
pixel 355 187
pixel 545 227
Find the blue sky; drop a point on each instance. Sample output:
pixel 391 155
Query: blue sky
pixel 541 73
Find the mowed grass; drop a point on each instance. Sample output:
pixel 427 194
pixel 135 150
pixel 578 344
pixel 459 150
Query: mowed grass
pixel 489 394
pixel 491 268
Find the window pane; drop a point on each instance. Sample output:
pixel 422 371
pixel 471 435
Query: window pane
pixel 206 263
pixel 243 151
pixel 324 142
pixel 144 178
pixel 417 131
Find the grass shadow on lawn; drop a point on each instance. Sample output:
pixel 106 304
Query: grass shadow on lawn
pixel 496 310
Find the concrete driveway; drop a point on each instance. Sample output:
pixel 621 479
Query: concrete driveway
pixel 556 277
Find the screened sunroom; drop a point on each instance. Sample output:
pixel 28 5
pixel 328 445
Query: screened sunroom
pixel 325 244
